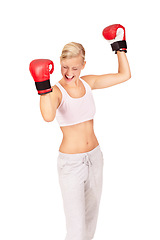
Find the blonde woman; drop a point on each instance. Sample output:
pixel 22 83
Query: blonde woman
pixel 80 160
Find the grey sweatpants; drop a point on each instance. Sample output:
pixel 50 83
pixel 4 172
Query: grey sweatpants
pixel 80 178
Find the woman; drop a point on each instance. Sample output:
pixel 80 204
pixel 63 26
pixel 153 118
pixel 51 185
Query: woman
pixel 80 160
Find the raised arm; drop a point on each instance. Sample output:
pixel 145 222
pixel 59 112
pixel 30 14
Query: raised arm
pixel 49 101
pixel 115 34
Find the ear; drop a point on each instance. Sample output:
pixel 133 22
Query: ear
pixel 84 64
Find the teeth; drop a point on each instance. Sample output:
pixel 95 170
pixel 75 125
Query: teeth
pixel 69 77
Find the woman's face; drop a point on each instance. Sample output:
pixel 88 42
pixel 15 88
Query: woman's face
pixel 71 68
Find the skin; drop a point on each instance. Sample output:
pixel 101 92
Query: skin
pixel 80 137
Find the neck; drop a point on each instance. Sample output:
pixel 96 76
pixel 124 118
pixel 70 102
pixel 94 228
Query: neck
pixel 73 84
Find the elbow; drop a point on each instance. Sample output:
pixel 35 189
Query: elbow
pixel 123 77
pixel 48 117
pixel 128 76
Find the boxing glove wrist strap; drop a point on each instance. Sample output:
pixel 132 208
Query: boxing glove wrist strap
pixel 119 46
pixel 43 87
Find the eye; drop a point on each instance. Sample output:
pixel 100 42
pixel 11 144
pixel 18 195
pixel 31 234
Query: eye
pixel 75 69
pixel 65 67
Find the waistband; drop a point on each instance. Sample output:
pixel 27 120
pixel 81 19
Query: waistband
pixel 79 155
pixel 86 158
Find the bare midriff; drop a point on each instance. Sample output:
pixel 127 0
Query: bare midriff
pixel 78 138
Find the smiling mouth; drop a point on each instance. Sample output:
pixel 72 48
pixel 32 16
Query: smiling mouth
pixel 69 77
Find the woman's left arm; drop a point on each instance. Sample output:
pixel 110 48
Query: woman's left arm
pixel 115 35
pixel 108 80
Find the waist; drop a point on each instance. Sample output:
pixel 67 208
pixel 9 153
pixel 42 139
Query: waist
pixel 70 156
pixel 79 144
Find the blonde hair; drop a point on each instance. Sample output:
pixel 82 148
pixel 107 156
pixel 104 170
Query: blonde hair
pixel 73 49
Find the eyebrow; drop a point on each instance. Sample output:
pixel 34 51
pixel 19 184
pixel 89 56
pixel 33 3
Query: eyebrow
pixel 72 67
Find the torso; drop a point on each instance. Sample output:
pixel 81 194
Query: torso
pixel 80 137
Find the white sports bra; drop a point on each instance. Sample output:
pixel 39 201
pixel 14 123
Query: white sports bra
pixel 75 110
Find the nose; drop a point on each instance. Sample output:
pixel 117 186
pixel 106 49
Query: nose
pixel 69 72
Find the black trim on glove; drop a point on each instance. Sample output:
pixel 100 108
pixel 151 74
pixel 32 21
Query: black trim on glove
pixel 119 45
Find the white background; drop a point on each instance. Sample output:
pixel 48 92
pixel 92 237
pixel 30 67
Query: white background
pixel 126 123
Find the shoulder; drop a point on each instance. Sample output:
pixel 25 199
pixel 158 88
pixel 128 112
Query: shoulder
pixel 90 79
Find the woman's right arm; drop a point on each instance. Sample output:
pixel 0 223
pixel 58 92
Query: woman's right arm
pixel 48 104
pixel 49 97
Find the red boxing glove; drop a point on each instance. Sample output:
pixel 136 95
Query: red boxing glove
pixel 115 34
pixel 39 69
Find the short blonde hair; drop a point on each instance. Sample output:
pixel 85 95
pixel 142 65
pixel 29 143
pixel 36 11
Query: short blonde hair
pixel 73 49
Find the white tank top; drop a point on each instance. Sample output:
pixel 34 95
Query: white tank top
pixel 75 110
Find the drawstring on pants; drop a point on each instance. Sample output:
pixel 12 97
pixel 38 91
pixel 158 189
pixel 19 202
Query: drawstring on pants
pixel 89 163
